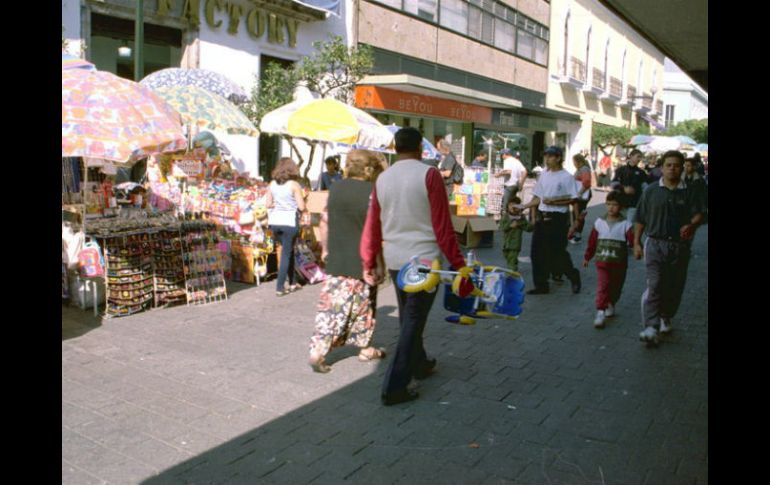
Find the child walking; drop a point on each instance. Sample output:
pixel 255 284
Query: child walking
pixel 609 241
pixel 513 223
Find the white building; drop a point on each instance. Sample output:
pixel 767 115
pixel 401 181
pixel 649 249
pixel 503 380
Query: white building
pixel 236 38
pixel 682 97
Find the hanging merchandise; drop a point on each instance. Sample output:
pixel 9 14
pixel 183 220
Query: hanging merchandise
pixel 90 260
pixel 204 275
pixel 168 271
pixel 130 285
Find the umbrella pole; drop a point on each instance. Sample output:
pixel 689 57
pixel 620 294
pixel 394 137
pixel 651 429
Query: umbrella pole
pixel 85 194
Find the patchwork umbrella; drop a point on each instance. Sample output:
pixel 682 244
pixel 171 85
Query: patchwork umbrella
pixel 207 110
pixel 686 141
pixel 211 81
pixel 68 61
pixel 108 117
pixel 327 120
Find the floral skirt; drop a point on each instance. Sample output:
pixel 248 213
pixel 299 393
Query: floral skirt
pixel 346 315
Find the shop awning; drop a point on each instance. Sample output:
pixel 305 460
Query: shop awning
pixel 428 87
pixel 301 10
pixel 652 121
pixel 332 6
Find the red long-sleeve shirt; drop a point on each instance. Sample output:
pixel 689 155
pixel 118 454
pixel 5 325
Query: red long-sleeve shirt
pixel 372 237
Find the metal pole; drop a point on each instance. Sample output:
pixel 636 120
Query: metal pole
pixel 139 41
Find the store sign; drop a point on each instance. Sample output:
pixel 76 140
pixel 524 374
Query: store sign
pixel 509 119
pixel 279 28
pixel 372 97
pixel 187 167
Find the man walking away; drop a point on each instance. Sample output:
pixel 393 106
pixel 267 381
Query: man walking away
pixel 515 173
pixel 408 216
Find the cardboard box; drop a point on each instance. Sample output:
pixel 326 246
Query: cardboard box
pixel 316 201
pixel 242 266
pixel 474 232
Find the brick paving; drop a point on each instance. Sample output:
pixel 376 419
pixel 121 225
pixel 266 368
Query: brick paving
pixel 222 394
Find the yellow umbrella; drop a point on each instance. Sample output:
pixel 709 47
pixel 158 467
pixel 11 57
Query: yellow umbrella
pixel 327 120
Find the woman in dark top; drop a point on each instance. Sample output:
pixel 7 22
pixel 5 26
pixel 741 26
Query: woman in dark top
pixel 346 310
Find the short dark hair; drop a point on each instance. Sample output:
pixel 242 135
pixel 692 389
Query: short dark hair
pixel 635 151
pixel 408 140
pixel 515 200
pixel 674 154
pixel 333 159
pixel 481 154
pixel 615 196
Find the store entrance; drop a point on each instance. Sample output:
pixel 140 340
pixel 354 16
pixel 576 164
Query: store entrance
pixel 269 145
pixel 538 147
pixel 112 46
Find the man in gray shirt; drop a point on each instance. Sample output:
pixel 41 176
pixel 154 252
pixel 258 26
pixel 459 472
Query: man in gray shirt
pixel 670 213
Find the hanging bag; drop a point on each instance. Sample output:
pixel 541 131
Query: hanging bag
pixel 90 260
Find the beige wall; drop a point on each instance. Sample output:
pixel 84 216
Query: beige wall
pixel 604 25
pixel 398 33
pixel 395 32
pixel 536 9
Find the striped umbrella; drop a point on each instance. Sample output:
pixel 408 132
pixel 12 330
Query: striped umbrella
pixel 68 61
pixel 207 110
pixel 108 117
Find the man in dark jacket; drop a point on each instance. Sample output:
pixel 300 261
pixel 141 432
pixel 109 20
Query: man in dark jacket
pixel 629 179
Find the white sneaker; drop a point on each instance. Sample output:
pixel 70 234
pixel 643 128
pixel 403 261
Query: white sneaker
pixel 649 335
pixel 599 320
pixel 665 325
pixel 610 311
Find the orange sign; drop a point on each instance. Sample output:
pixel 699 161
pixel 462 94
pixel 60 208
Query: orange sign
pixel 373 97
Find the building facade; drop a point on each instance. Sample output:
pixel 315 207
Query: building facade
pixel 683 99
pixel 473 70
pixel 602 71
pixel 236 38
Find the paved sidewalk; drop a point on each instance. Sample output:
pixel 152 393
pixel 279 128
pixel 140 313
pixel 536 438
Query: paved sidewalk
pixel 222 394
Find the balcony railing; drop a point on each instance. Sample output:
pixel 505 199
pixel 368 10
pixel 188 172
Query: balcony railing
pixel 577 69
pixel 616 87
pixel 647 101
pixel 598 81
pixel 630 94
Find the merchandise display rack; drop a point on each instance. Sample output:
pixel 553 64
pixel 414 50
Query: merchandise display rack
pixel 129 274
pixel 167 270
pixel 203 270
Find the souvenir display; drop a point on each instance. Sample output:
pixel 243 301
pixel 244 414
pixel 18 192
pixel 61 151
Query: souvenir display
pixel 203 272
pixel 129 274
pixel 168 274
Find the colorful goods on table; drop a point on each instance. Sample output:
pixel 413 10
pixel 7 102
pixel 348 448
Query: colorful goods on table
pixel 203 271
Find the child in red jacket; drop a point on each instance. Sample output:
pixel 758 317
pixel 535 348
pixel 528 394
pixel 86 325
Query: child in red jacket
pixel 609 241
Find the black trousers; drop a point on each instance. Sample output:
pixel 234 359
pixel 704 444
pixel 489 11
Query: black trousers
pixel 549 248
pixel 413 309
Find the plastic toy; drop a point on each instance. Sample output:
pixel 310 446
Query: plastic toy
pixel 475 291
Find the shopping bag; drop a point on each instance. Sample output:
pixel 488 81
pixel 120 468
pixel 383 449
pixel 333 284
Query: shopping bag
pixel 90 260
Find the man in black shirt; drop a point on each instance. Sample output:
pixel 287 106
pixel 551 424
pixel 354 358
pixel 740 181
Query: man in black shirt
pixel 670 212
pixel 446 165
pixel 629 178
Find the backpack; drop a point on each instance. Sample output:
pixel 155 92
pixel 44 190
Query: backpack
pixel 458 173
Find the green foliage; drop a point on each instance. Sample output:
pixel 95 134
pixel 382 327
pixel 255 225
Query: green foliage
pixel 605 137
pixel 698 130
pixel 332 71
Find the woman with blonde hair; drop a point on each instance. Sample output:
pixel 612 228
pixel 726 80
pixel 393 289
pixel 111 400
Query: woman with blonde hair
pixel 284 203
pixel 583 181
pixel 347 305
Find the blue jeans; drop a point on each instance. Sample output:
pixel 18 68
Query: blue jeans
pixel 413 309
pixel 286 235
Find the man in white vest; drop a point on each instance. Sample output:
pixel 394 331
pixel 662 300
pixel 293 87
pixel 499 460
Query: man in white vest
pixel 408 216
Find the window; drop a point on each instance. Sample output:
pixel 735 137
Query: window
pixel 425 9
pixel 669 115
pixel 541 51
pixel 454 15
pixel 391 3
pixel 504 35
pixel 525 44
pixel 566 46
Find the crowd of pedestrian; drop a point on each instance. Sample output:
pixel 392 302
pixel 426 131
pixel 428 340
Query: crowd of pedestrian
pixel 378 218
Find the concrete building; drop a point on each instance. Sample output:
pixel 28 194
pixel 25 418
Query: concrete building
pixel 233 37
pixel 600 70
pixel 476 70
pixel 683 99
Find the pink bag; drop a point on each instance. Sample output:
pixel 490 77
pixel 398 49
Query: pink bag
pixel 90 260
